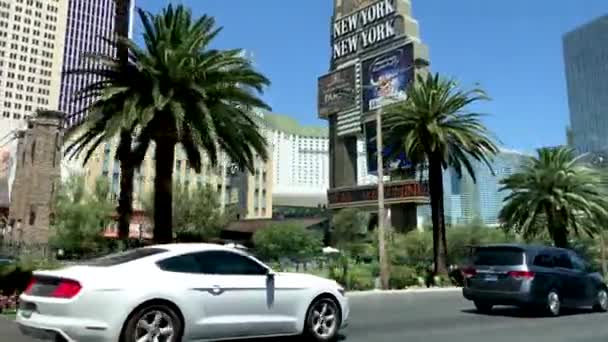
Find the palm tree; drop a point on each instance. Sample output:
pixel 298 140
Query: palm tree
pixel 433 126
pixel 558 189
pixel 176 90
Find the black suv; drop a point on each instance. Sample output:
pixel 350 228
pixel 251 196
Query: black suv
pixel 532 277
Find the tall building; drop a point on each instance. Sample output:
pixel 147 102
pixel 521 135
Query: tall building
pixel 586 62
pixel 301 161
pixel 32 36
pixel 466 200
pixel 89 24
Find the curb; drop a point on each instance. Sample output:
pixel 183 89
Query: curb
pixel 405 291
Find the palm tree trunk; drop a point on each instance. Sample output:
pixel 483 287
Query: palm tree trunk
pixel 557 229
pixel 163 191
pixel 125 199
pixel 440 250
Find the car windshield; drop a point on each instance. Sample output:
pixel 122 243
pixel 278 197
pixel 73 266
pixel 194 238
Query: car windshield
pixel 498 256
pixel 123 257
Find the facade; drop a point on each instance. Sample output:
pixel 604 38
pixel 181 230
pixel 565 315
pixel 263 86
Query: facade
pixel 89 23
pixel 38 173
pixel 466 200
pixel 586 64
pixel 301 161
pixel 228 181
pixel 32 36
pixel 376 54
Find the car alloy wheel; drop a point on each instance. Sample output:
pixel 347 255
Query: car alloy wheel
pixel 601 301
pixel 323 320
pixel 157 323
pixel 553 303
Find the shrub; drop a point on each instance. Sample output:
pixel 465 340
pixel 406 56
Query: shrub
pixel 402 277
pixel 361 278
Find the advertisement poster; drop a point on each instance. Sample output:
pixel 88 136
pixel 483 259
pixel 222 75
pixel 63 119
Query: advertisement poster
pixel 337 92
pixel 390 163
pixel 386 77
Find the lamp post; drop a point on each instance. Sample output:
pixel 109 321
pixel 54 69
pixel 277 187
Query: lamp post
pixel 382 257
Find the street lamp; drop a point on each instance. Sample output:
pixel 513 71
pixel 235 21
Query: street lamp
pixel 384 272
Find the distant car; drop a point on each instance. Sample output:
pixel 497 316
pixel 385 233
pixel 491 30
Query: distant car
pixel 534 277
pixel 5 260
pixel 179 292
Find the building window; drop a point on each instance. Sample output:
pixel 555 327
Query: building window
pixel 32 216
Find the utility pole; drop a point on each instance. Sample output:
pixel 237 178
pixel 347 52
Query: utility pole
pixel 382 257
pixel 384 271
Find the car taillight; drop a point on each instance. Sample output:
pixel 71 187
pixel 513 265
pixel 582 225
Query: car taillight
pixel 66 288
pixel 28 289
pixel 469 272
pixel 521 274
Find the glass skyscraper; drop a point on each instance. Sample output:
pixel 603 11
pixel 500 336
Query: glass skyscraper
pixel 89 22
pixel 586 62
pixel 466 200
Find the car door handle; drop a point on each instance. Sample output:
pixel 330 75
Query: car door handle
pixel 216 290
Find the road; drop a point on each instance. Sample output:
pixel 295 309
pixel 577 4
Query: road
pixel 440 317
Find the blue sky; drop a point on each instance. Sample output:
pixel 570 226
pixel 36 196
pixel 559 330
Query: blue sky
pixel 512 48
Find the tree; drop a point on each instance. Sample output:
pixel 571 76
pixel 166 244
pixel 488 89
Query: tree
pixel 557 188
pixel 434 126
pixel 80 218
pixel 197 215
pixel 290 241
pixel 177 90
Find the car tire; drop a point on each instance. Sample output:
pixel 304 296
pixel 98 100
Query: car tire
pixel 153 320
pixel 483 307
pixel 553 303
pixel 323 320
pixel 601 300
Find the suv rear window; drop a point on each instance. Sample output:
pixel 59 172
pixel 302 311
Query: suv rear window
pixel 498 256
pixel 123 257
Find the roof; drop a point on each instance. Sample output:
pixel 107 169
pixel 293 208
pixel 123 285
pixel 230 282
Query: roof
pixel 286 124
pixel 251 226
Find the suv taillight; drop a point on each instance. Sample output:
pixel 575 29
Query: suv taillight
pixel 521 274
pixel 469 272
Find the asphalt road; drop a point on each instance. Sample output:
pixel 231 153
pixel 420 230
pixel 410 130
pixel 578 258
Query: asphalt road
pixel 445 316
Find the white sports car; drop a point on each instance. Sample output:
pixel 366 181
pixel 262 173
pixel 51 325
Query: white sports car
pixel 179 292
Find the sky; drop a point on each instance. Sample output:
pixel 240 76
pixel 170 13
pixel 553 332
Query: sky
pixel 513 49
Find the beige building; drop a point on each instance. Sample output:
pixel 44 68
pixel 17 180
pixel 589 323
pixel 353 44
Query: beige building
pixel 32 36
pixel 251 193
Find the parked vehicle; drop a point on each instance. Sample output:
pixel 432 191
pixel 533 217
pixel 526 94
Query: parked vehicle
pixel 179 292
pixel 534 277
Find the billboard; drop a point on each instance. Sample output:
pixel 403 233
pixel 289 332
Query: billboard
pixel 386 77
pixel 374 23
pixel 397 162
pixel 337 92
